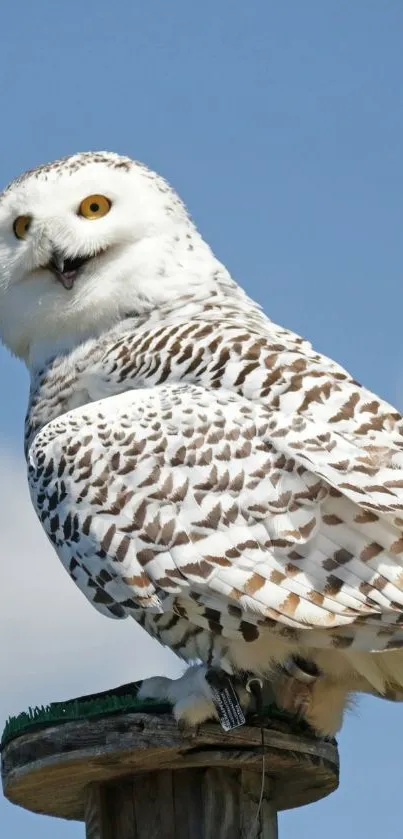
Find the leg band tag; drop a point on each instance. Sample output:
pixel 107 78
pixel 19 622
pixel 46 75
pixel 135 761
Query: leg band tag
pixel 225 698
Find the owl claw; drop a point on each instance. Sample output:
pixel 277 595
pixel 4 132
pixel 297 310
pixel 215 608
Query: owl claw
pixel 293 684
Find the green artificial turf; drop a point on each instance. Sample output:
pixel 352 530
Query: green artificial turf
pixel 115 701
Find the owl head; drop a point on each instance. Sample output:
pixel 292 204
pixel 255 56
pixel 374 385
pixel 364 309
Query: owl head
pixel 85 240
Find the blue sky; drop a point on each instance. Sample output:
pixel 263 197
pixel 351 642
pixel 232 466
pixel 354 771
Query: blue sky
pixel 281 124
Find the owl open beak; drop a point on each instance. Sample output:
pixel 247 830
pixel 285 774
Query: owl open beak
pixel 65 269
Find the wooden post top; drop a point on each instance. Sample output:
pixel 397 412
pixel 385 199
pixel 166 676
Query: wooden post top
pixel 49 770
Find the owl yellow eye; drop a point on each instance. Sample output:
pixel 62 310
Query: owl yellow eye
pixel 21 226
pixel 94 206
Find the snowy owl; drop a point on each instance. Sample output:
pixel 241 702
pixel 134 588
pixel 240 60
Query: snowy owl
pixel 195 466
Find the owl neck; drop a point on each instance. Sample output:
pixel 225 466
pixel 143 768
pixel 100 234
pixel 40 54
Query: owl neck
pixel 222 302
pixel 158 279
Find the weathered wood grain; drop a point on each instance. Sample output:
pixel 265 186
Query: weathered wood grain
pixel 200 804
pixel 51 770
pixel 266 827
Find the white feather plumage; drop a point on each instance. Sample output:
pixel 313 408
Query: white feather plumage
pixel 197 467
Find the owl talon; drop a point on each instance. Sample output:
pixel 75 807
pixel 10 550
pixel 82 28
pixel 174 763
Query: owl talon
pixel 293 685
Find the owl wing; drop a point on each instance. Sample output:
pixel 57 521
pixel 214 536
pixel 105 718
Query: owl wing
pixel 224 510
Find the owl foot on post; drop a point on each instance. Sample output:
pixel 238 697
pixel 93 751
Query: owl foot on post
pixel 194 695
pixel 191 695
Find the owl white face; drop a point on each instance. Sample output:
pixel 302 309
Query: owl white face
pixel 81 244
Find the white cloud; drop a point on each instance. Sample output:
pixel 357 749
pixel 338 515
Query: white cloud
pixel 53 643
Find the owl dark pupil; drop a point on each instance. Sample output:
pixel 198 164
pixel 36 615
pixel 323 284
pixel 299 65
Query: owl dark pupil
pixel 94 208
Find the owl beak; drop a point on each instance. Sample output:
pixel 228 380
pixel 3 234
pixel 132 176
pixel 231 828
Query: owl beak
pixel 65 269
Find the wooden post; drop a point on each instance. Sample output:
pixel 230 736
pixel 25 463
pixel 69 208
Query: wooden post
pixel 138 776
pixel 196 804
